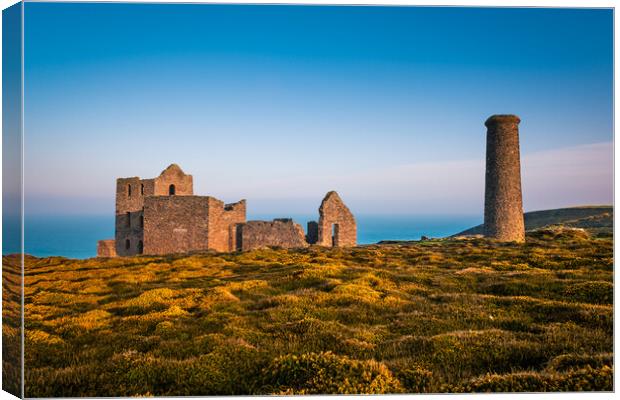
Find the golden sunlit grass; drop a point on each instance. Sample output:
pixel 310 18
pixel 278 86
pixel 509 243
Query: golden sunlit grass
pixel 434 316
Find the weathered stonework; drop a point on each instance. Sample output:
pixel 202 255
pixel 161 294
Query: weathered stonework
pixel 223 219
pixel 106 248
pixel 162 215
pixel 313 232
pixel 503 208
pixel 173 182
pixel 337 225
pixel 281 232
pixel 130 197
pixel 177 224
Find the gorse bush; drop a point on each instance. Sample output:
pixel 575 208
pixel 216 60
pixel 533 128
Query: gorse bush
pixel 416 379
pixel 421 317
pixel 566 362
pixel 316 373
pixel 476 352
pixel 221 372
pixel 587 379
pixel 599 292
pixel 559 232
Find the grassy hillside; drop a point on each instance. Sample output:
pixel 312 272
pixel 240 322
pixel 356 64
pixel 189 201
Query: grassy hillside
pixel 597 219
pixel 435 316
pixel 11 325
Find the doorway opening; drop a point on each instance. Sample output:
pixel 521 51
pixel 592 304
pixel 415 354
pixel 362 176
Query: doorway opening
pixel 334 235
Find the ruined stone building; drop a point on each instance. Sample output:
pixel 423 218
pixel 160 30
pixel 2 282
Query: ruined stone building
pixel 162 215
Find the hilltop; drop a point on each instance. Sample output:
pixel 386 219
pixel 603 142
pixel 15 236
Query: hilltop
pixel 595 219
pixel 429 316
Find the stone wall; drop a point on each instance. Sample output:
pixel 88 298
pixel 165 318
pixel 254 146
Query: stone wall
pixel 178 224
pixel 503 208
pixel 161 216
pixel 312 235
pixel 222 224
pixel 106 248
pixel 337 225
pixel 130 196
pixel 174 175
pixel 278 233
pixel 175 224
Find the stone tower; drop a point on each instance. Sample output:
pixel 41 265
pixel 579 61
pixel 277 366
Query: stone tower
pixel 503 207
pixel 130 197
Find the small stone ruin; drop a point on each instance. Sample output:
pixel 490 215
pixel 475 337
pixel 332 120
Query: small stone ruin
pixel 163 216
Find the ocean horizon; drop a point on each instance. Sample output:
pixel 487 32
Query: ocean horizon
pixel 76 236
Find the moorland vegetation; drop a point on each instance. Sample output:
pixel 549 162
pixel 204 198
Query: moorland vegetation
pixel 421 317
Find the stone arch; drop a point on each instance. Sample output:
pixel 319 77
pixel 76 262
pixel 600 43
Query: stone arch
pixel 171 190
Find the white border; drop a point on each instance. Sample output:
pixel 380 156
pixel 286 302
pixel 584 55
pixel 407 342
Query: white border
pixel 471 3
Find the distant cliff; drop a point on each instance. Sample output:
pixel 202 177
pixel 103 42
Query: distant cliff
pixel 596 219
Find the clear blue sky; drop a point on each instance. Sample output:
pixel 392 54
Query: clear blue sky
pixel 279 104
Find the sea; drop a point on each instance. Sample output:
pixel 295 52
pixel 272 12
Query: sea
pixel 76 236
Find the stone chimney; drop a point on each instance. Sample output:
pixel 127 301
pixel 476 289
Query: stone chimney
pixel 503 206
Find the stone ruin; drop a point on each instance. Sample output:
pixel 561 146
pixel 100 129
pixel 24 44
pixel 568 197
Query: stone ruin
pixel 162 216
pixel 336 225
pixel 281 232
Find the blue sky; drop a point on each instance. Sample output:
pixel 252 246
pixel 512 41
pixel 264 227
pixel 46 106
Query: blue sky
pixel 279 104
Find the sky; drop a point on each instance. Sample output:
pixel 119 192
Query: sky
pixel 280 104
pixel 11 120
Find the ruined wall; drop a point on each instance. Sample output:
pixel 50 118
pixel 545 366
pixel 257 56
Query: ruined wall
pixel 280 232
pixel 337 225
pixel 147 187
pixel 130 195
pixel 312 234
pixel 503 208
pixel 175 224
pixel 223 220
pixel 178 224
pixel 106 248
pixel 161 216
pixel 174 175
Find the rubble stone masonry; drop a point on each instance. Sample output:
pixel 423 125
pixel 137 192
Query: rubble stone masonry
pixel 503 208
pixel 105 248
pixel 162 215
pixel 312 235
pixel 175 224
pixel 281 232
pixel 178 224
pixel 222 222
pixel 337 225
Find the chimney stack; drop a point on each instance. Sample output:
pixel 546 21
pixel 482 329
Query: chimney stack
pixel 503 206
